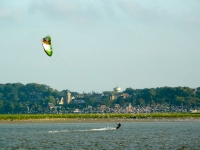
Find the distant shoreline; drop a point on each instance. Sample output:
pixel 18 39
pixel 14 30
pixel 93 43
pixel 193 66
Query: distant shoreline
pixel 97 115
pixel 95 120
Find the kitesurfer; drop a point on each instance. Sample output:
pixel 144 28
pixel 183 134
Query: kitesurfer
pixel 118 126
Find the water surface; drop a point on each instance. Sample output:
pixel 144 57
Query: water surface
pixel 132 135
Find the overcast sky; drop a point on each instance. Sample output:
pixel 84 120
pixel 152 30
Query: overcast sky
pixel 99 44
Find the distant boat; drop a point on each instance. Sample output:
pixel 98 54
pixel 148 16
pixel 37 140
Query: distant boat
pixel 194 111
pixel 76 111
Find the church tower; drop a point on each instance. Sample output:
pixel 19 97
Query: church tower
pixel 68 97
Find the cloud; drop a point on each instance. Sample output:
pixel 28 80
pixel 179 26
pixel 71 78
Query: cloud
pixel 54 7
pixel 11 14
pixel 71 10
pixel 9 11
pixel 90 12
pixel 179 13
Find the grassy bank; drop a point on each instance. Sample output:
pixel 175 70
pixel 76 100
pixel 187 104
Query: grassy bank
pixel 128 116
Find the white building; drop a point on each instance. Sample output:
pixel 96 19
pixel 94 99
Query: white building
pixel 117 89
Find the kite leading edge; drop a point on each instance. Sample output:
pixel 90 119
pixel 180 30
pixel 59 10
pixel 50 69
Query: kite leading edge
pixel 46 43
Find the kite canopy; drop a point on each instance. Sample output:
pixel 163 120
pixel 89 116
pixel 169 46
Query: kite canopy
pixel 46 43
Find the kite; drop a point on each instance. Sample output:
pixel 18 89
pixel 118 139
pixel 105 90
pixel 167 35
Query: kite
pixel 46 43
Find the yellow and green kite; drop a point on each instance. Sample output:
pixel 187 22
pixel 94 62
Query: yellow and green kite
pixel 47 45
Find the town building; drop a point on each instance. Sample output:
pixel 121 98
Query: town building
pixel 117 89
pixel 50 106
pixel 68 97
pixel 61 101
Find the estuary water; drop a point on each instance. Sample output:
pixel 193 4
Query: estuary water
pixel 132 135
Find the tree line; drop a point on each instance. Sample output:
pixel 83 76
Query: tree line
pixel 17 97
pixel 175 96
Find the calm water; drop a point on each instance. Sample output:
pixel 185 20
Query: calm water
pixel 132 135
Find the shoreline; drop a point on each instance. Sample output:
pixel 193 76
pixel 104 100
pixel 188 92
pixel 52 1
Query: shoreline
pixel 94 120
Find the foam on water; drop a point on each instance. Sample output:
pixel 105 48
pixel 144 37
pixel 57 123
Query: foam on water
pixel 103 129
pixel 100 129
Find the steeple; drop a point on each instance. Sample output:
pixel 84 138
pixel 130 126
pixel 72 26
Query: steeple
pixel 68 97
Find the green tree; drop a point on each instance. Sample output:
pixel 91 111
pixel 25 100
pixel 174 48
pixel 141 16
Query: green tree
pixel 89 100
pixel 107 102
pixel 130 91
pixel 51 99
pixel 134 102
pixel 42 101
pixel 179 100
pixel 140 101
pixel 120 100
pixel 19 107
pixel 1 95
pixel 1 106
pixel 9 107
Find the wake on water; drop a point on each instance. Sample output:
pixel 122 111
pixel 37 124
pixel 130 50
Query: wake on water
pixel 100 129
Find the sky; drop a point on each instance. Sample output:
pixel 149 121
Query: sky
pixel 101 44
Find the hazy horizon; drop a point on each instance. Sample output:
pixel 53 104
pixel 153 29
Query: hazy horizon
pixel 101 44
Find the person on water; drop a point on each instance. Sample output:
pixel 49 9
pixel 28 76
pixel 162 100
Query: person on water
pixel 118 126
